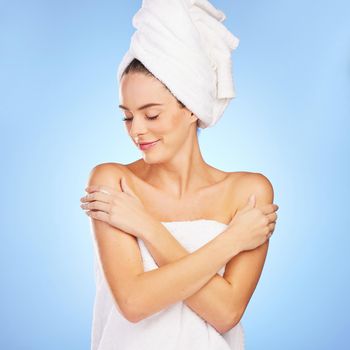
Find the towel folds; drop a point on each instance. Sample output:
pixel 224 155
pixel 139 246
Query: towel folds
pixel 185 45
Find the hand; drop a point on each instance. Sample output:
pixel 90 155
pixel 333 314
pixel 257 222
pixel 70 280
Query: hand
pixel 123 210
pixel 254 226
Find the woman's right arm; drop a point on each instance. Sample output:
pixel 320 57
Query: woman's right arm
pixel 140 294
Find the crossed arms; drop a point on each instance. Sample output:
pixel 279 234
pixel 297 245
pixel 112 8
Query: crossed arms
pixel 181 276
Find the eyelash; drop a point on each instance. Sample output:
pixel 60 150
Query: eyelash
pixel 150 118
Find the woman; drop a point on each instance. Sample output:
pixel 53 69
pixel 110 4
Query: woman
pixel 180 244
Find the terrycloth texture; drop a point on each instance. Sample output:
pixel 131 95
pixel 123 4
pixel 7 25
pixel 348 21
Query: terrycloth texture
pixel 175 328
pixel 186 46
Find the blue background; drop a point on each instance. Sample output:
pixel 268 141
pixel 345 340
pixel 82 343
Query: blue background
pixel 289 121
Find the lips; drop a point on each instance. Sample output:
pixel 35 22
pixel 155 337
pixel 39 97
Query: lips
pixel 146 145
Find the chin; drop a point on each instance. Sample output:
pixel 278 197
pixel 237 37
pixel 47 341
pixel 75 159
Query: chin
pixel 151 160
pixel 155 158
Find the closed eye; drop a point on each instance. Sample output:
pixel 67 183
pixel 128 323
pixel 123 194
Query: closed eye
pixel 150 118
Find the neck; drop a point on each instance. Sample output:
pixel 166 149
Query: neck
pixel 182 174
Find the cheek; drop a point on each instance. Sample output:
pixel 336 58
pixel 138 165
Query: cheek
pixel 165 126
pixel 175 123
pixel 176 132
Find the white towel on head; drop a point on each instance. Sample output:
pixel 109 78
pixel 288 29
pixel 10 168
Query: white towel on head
pixel 186 46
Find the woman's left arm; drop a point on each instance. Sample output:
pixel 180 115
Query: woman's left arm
pixel 222 298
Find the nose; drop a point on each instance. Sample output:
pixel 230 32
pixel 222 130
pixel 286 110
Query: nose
pixel 138 127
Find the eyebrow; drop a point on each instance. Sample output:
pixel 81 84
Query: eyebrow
pixel 143 107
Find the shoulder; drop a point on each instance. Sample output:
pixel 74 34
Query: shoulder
pixel 107 174
pixel 244 184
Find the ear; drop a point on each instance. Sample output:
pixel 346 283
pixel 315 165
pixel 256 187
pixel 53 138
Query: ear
pixel 194 118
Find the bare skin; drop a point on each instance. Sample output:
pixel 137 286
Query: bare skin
pixel 175 184
pixel 215 191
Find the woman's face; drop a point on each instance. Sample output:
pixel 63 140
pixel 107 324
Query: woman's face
pixel 170 125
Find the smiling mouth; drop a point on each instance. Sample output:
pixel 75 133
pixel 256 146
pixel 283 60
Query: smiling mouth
pixel 147 145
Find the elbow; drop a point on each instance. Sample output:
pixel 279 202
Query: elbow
pixel 126 308
pixel 128 304
pixel 231 321
pixel 132 310
pixel 131 316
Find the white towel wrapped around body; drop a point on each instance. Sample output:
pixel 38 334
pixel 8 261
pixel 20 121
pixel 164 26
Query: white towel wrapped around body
pixel 185 45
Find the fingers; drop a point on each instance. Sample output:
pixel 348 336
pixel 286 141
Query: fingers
pixel 271 229
pixel 265 209
pixel 96 196
pixel 101 188
pixel 269 208
pixel 97 205
pixel 272 217
pixel 250 203
pixel 271 226
pixel 98 215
